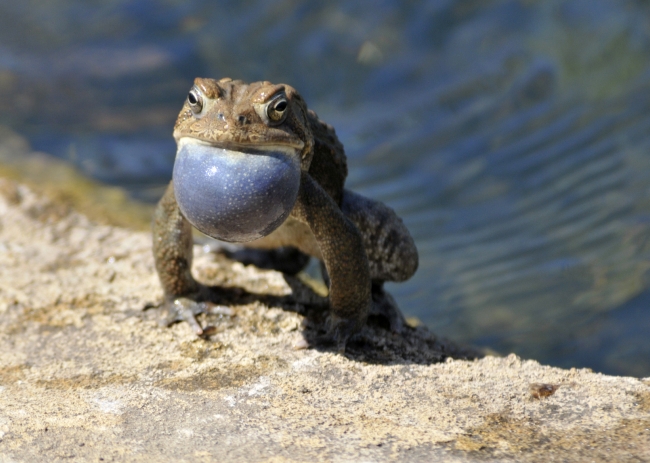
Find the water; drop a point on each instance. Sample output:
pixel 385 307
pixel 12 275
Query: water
pixel 511 136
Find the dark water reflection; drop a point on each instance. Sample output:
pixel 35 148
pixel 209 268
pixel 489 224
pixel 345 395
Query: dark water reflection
pixel 512 136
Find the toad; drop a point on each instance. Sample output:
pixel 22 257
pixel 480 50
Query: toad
pixel 255 166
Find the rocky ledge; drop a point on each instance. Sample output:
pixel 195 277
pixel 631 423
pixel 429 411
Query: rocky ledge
pixel 87 375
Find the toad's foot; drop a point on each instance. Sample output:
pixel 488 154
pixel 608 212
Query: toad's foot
pixel 186 309
pixel 339 331
pixel 385 307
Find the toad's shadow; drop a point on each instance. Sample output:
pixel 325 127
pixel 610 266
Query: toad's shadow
pixel 375 343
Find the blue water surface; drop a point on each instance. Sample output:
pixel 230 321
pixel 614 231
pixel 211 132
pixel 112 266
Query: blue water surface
pixel 511 136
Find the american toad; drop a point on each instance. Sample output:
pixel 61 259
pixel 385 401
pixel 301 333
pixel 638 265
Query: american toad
pixel 254 165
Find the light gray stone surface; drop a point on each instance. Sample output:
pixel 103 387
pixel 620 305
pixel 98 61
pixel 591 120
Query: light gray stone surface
pixel 86 375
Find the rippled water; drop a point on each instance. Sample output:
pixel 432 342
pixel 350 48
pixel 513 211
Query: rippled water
pixel 512 136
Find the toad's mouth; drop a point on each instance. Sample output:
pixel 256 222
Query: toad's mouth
pixel 290 148
pixel 235 192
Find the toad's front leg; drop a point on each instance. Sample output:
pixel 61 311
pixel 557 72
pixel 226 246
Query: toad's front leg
pixel 172 249
pixel 341 246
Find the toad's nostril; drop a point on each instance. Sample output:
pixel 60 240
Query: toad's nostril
pixel 242 120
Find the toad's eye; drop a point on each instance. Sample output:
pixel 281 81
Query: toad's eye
pixel 277 109
pixel 195 100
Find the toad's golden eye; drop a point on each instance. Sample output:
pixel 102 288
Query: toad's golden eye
pixel 277 109
pixel 195 100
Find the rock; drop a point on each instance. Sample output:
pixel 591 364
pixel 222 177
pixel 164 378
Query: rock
pixel 87 375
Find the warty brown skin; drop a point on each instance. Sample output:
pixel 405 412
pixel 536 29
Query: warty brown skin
pixel 361 242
